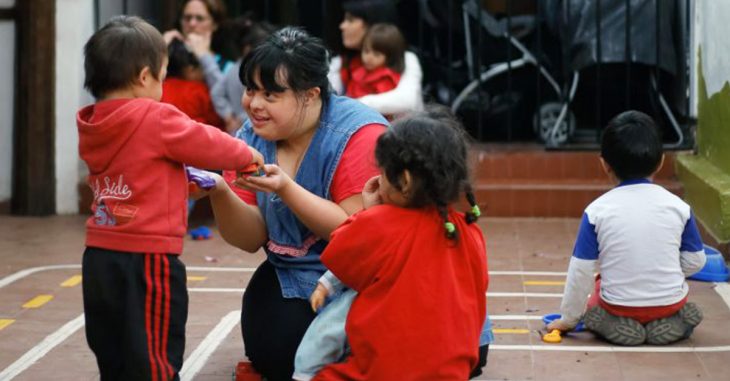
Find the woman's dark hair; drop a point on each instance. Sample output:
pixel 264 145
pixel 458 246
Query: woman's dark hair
pixel 432 146
pixel 387 39
pixel 631 145
pixel 288 59
pixel 372 11
pixel 130 37
pixel 179 57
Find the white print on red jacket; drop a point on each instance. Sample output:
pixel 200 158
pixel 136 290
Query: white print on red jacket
pixel 112 192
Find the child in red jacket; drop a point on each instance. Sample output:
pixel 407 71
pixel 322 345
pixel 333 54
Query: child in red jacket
pixel 383 57
pixel 417 268
pixel 184 87
pixel 136 148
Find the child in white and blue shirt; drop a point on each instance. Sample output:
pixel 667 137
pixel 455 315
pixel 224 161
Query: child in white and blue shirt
pixel 642 239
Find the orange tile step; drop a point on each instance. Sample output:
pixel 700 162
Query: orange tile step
pixel 541 198
pixel 532 162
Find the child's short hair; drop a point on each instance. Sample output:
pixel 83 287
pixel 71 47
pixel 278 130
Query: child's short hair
pixel 179 57
pixel 433 147
pixel 387 39
pixel 631 145
pixel 118 52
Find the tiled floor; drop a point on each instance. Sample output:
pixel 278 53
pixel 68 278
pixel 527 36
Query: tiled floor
pixel 48 342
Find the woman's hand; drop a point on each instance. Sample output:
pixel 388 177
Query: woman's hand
pixel 370 194
pixel 199 43
pixel 274 181
pixel 318 297
pixel 171 35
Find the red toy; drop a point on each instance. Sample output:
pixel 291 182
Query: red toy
pixel 252 170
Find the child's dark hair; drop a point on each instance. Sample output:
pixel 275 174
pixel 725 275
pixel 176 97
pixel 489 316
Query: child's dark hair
pixel 432 147
pixel 255 35
pixel 117 53
pixel 244 32
pixel 631 145
pixel 289 55
pixel 387 39
pixel 179 57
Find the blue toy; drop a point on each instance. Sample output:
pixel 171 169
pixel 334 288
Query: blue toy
pixel 201 233
pixel 550 317
pixel 715 269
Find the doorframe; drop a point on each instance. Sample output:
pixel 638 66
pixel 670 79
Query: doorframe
pixel 9 14
pixel 34 191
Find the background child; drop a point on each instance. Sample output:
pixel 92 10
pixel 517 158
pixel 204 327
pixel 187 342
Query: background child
pixel 227 92
pixel 383 57
pixel 420 265
pixel 644 240
pixel 134 285
pixel 184 87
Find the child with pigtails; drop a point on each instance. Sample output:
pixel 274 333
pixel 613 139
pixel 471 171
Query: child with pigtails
pixel 416 268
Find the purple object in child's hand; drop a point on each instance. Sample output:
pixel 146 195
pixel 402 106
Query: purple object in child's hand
pixel 200 178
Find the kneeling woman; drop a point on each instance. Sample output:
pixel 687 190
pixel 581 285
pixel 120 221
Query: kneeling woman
pixel 321 150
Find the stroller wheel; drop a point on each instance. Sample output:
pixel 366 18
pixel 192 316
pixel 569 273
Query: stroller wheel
pixel 546 119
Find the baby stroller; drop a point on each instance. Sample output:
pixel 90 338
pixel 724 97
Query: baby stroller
pixel 632 48
pixel 512 32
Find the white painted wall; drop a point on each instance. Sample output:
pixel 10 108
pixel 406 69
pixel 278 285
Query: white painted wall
pixel 7 105
pixel 7 3
pixel 74 25
pixel 712 30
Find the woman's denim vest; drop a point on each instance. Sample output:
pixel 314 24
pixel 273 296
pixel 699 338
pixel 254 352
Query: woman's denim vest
pixel 292 248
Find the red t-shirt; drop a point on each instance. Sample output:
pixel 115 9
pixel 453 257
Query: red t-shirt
pixel 348 67
pixel 365 82
pixel 357 165
pixel 421 297
pixel 192 98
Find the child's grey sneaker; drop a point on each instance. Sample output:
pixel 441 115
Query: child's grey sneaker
pixel 674 328
pixel 691 314
pixel 615 329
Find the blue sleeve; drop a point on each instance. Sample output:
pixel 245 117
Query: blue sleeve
pixel 691 240
pixel 586 244
pixel 487 335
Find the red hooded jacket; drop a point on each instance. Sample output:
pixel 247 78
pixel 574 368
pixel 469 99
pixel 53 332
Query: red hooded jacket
pixel 135 150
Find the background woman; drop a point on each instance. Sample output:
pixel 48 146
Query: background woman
pixel 359 16
pixel 200 21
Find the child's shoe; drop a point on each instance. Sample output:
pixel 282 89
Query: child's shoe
pixel 246 372
pixel 615 329
pixel 674 328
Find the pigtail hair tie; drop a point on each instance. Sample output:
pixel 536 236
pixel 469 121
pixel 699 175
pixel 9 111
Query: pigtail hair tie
pixel 450 229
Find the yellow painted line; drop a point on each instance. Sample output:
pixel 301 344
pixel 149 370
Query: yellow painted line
pixel 543 283
pixel 73 281
pixel 5 322
pixel 511 330
pixel 38 301
pixel 192 278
